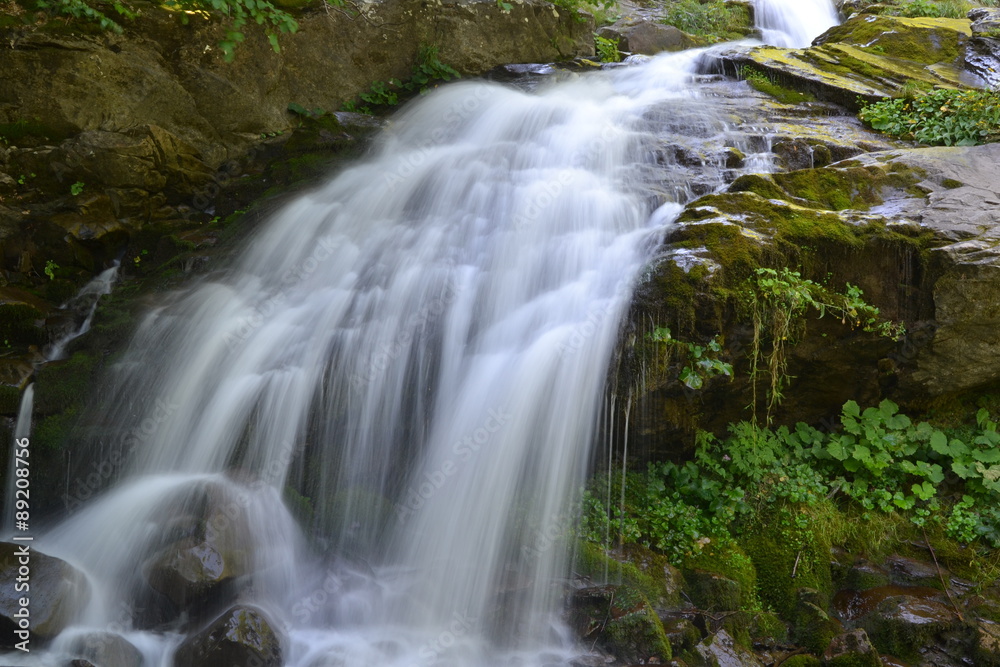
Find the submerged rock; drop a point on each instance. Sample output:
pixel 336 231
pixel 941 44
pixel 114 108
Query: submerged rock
pixel 106 649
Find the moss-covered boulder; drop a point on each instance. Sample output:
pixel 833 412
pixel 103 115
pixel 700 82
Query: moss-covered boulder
pixel 721 650
pixel 866 58
pixel 619 620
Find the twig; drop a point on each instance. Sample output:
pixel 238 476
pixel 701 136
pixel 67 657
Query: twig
pixel 941 576
pixel 796 566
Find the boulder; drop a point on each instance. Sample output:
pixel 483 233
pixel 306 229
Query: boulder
pixel 906 625
pixel 640 35
pixel 57 593
pixel 191 573
pixel 106 649
pixel 243 635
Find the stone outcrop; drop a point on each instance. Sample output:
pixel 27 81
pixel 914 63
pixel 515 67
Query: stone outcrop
pixel 916 229
pixel 866 58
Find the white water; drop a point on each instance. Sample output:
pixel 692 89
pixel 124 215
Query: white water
pixel 420 348
pixel 794 23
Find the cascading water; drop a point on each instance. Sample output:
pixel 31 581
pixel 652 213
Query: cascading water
pixel 794 23
pixel 420 348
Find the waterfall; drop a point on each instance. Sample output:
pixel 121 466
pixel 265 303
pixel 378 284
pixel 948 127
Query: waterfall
pixel 22 429
pixel 794 23
pixel 414 355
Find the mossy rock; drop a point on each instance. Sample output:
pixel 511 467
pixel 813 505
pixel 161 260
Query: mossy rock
pixel 925 40
pixel 813 626
pixel 620 620
pixel 902 625
pixel 21 318
pixel 597 564
pixel 721 577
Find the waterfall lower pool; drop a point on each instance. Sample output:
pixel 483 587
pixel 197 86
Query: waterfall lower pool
pixel 419 348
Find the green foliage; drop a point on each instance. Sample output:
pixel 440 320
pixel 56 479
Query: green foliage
pixel 79 9
pixel 777 302
pixel 504 7
pixel 715 20
pixel 50 269
pixel 881 461
pixel 607 49
pixel 239 13
pixel 595 7
pixel 427 71
pixel 941 117
pixel 702 362
pixel 951 9
pixel 76 188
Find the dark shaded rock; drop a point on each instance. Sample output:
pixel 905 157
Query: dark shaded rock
pixel 913 572
pixel 852 648
pixel 813 627
pixel 646 37
pixel 712 591
pixel 619 620
pixel 106 649
pixel 987 651
pixel 241 636
pixel 58 593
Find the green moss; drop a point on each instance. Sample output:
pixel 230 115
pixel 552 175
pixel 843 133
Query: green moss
pixel 951 183
pixel 10 400
pixel 924 40
pixel 855 660
pixel 53 432
pixel 722 577
pixel 593 562
pixel 802 661
pixel 18 325
pixel 63 384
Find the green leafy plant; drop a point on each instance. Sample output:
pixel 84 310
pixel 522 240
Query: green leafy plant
pixel 427 71
pixel 702 361
pixel 941 117
pixel 50 269
pixel 239 13
pixel 607 49
pixel 777 301
pixel 504 7
pixel 76 188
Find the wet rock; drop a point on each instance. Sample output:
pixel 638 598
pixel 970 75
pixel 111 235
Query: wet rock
pixel 639 35
pixel 905 625
pixel 58 593
pixel 850 605
pixel 241 636
pixel 106 649
pixel 864 574
pixel 682 633
pixel 852 648
pixel 913 572
pixel 619 620
pixel 720 650
pixel 191 572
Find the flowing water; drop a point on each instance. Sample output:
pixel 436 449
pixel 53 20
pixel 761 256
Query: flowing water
pixel 420 348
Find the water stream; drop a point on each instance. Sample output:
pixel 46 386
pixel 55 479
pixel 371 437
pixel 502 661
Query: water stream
pixel 420 349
